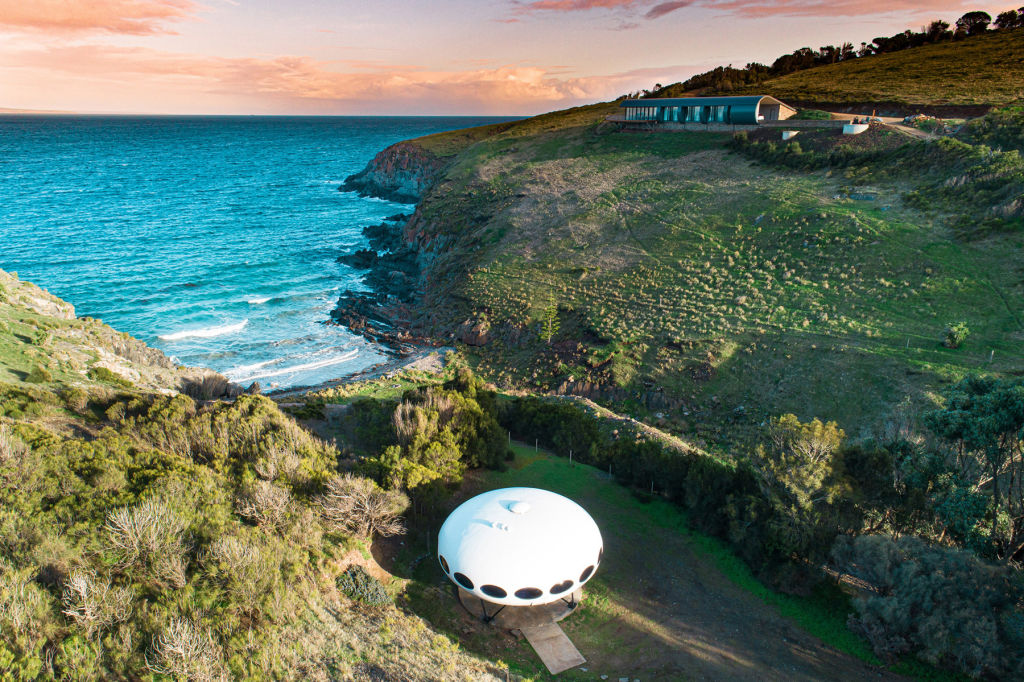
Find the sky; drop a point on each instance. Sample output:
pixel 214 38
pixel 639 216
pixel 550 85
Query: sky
pixel 403 57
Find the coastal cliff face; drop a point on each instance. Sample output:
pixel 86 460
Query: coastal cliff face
pixel 402 173
pixel 42 341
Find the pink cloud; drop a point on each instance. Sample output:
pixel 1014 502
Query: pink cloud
pixel 664 8
pixel 829 8
pixel 577 5
pixel 134 17
pixel 302 84
pixel 750 8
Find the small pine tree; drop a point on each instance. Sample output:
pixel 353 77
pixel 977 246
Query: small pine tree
pixel 550 320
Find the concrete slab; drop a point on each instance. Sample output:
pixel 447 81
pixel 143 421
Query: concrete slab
pixel 553 647
pixel 518 617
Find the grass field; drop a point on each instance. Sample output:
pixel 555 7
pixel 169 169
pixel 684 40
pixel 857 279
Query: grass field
pixel 666 604
pixel 695 283
pixel 983 70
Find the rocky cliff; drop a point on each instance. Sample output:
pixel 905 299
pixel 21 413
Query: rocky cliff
pixel 42 341
pixel 402 173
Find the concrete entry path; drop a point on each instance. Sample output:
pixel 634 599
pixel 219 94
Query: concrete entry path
pixel 538 624
pixel 554 648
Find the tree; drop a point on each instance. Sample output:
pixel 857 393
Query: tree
pixel 549 320
pixel 973 23
pixel 945 605
pixel 937 31
pixel 800 456
pixel 956 334
pixel 983 420
pixel 1010 19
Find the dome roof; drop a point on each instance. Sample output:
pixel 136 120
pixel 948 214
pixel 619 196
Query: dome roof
pixel 519 546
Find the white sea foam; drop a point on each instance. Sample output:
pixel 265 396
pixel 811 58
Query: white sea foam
pixel 235 373
pixel 242 370
pixel 257 301
pixel 206 332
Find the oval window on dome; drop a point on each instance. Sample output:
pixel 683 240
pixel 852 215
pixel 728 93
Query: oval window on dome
pixel 528 592
pixel 463 580
pixel 586 573
pixel 444 564
pixel 561 587
pixel 493 591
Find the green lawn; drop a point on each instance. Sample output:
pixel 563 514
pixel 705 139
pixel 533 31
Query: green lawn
pixel 627 626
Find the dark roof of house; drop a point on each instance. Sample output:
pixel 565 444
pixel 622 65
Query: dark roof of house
pixel 751 100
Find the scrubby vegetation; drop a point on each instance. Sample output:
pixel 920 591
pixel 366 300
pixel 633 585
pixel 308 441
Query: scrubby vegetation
pixel 979 187
pixel 153 536
pixel 185 540
pixel 920 519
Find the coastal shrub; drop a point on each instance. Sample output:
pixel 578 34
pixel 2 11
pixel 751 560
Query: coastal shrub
pixel 93 604
pixel 956 334
pixel 39 375
pixel 76 399
pixel 358 585
pixel 210 387
pixel 185 650
pixel 428 439
pixel 107 376
pixel 360 507
pixel 944 604
pixel 263 503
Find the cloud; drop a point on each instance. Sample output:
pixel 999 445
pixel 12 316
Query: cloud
pixel 749 8
pixel 664 8
pixel 132 17
pixel 829 8
pixel 297 84
pixel 577 5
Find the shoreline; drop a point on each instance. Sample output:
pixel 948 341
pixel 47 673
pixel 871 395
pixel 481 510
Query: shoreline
pixel 390 268
pixel 375 371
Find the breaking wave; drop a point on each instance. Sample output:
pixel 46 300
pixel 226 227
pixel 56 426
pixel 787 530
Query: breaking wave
pixel 206 332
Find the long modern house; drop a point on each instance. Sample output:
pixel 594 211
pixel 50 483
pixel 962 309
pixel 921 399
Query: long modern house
pixel 689 111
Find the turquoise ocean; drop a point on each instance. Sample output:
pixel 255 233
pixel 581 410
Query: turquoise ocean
pixel 213 239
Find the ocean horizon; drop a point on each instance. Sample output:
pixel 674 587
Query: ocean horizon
pixel 212 238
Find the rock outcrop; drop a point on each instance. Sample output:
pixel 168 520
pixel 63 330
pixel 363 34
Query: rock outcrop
pixel 40 330
pixel 402 173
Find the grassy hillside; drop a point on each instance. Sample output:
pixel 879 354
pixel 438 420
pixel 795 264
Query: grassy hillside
pixel 696 283
pixel 43 342
pixel 147 535
pixel 983 70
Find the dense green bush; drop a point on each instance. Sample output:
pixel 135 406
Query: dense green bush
pixel 172 524
pixel 428 440
pixel 1001 129
pixel 943 604
pixel 782 510
pixel 358 585
pixel 956 334
pixel 105 375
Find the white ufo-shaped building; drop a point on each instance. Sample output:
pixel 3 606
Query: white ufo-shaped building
pixel 519 546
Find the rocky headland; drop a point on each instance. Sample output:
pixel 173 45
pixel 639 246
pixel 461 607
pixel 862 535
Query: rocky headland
pixel 401 173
